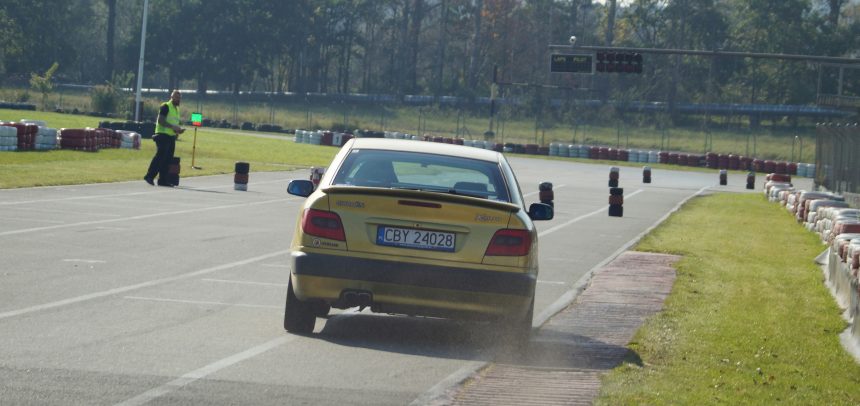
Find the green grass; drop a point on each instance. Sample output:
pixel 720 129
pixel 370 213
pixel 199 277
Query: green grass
pixel 762 143
pixel 216 153
pixel 749 320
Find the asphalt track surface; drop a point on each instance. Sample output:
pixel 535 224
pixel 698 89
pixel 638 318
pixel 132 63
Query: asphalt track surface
pixel 128 294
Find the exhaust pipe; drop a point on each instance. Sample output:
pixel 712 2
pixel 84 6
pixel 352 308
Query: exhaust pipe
pixel 364 299
pixel 352 298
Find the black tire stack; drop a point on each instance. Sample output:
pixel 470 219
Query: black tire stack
pixel 173 172
pixel 240 178
pixel 546 194
pixel 616 202
pixel 646 174
pixel 614 174
pixel 751 180
pixel 724 177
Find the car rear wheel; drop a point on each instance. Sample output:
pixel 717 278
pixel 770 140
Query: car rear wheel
pixel 516 331
pixel 321 308
pixel 299 316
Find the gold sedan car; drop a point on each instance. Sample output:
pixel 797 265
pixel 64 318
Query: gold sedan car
pixel 415 228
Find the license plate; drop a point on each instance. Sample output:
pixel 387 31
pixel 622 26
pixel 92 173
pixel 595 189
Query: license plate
pixel 418 239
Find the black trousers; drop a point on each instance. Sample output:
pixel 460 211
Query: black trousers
pixel 165 145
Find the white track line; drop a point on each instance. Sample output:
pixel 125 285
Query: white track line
pixel 123 289
pixel 534 193
pixel 141 217
pixel 205 371
pixel 584 216
pixel 150 192
pixel 87 261
pixel 200 302
pixel 280 285
pixel 216 366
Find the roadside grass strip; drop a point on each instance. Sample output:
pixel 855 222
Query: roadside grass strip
pixel 217 153
pixel 749 319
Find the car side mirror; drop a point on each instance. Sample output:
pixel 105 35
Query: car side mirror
pixel 540 211
pixel 300 187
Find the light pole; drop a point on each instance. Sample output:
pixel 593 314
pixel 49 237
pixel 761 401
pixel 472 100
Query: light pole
pixel 137 100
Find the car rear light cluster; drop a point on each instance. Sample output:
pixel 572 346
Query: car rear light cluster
pixel 510 242
pixel 323 224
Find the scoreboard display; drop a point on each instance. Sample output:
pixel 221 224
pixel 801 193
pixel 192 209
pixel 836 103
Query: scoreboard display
pixel 571 63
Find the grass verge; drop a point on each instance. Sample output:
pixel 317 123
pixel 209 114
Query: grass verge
pixel 217 152
pixel 749 320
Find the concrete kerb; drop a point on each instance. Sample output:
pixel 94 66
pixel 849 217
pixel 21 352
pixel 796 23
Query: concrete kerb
pixel 443 392
pixel 844 289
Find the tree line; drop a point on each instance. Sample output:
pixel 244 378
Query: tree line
pixel 429 47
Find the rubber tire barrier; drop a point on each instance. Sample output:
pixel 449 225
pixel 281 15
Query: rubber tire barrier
pixel 723 177
pixel 240 178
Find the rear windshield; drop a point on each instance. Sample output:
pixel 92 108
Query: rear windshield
pixel 418 171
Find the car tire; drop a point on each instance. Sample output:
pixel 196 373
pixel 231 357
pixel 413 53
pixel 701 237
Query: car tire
pixel 516 331
pixel 321 308
pixel 299 317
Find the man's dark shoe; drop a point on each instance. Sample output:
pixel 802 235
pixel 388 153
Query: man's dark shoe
pixel 149 180
pixel 166 184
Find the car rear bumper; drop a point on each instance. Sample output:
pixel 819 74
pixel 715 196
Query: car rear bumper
pixel 412 288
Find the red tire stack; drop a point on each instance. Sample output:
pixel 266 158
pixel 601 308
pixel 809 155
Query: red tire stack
pixel 26 136
pixel 327 138
pixel 673 158
pixel 734 162
pixel 78 139
pixel 723 161
pixel 713 160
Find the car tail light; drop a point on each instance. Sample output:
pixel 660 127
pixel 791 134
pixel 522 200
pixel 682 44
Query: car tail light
pixel 510 243
pixel 323 224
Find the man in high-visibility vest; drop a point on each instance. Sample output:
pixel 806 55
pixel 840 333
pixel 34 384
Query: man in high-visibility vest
pixel 166 129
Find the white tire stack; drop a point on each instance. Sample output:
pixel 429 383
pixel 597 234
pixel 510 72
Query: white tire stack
pixel 129 139
pixel 8 138
pixel 46 138
pixel 39 123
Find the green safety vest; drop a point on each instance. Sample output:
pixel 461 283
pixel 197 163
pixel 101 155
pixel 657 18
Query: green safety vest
pixel 172 119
